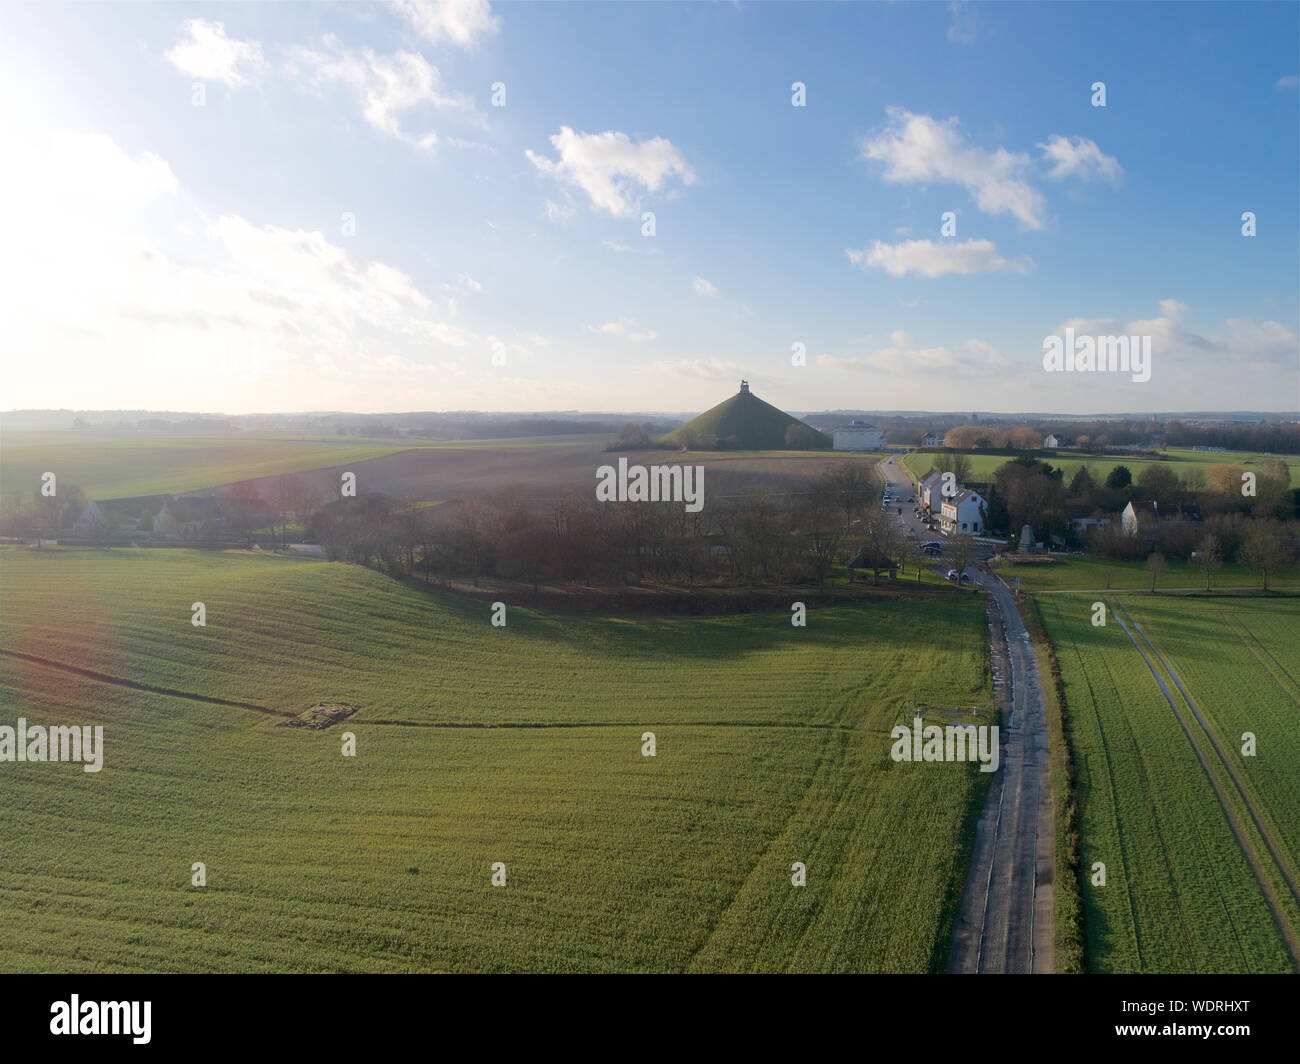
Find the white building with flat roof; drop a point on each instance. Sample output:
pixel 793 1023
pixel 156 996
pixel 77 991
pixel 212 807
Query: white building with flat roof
pixel 859 436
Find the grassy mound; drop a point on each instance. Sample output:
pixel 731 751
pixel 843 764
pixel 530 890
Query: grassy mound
pixel 754 424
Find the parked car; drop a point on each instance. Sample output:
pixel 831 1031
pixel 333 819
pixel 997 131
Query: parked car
pixel 965 577
pixel 951 574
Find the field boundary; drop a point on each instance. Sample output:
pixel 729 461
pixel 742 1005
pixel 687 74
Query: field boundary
pixel 1247 847
pixel 118 681
pixel 1069 911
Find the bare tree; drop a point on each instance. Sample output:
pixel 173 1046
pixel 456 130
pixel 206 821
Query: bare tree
pixel 856 487
pixel 962 549
pixel 819 523
pixel 746 526
pixel 883 541
pixel 959 465
pixel 1263 550
pixel 1156 564
pixel 1209 558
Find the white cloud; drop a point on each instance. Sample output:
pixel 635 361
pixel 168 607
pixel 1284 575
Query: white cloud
pixel 616 246
pixel 1243 343
pixel 713 369
pixel 970 358
pixel 1079 157
pixel 625 327
pixel 917 148
pixel 703 287
pixel 204 51
pixel 463 284
pixel 609 167
pixel 1288 81
pixel 156 304
pixel 928 258
pixel 557 212
pixel 461 22
pixel 962 28
pixel 468 145
pixel 385 85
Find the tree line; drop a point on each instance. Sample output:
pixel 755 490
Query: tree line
pixel 773 539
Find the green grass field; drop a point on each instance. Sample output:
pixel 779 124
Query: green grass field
pixel 1082 573
pixel 1180 460
pixel 475 745
pixel 1180 895
pixel 121 466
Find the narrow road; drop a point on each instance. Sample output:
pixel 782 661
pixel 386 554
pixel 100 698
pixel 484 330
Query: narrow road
pixel 1005 923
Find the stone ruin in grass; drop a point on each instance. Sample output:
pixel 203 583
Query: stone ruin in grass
pixel 321 716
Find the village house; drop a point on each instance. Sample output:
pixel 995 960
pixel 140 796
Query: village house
pixel 161 515
pixel 928 491
pixel 102 516
pixel 964 512
pixel 859 436
pixel 931 439
pixel 1136 514
pixel 1050 442
pixel 1082 525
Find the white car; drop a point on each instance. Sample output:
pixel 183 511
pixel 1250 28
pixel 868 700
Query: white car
pixel 951 574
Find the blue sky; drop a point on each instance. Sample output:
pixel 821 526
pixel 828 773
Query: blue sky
pixel 181 175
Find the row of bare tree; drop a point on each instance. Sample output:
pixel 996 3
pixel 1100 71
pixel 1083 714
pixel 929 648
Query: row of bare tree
pixel 775 538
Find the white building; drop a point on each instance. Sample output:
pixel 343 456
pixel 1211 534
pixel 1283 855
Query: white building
pixel 1136 514
pixel 1050 442
pixel 1087 524
pixel 931 440
pixel 859 436
pixel 964 512
pixel 929 490
pixel 118 515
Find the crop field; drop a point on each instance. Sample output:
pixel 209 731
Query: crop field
pixel 1083 573
pixel 543 473
pixel 121 466
pixel 983 466
pixel 1181 894
pixel 1239 659
pixel 475 745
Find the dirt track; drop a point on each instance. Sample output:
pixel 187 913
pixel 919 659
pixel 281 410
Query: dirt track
pixel 1005 924
pixel 1006 920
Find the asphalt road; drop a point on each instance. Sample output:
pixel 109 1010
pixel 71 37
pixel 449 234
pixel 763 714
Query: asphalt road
pixel 1005 923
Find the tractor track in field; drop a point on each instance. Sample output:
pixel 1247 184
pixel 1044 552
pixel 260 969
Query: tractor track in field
pixel 192 696
pixel 148 688
pixel 1248 849
pixel 500 725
